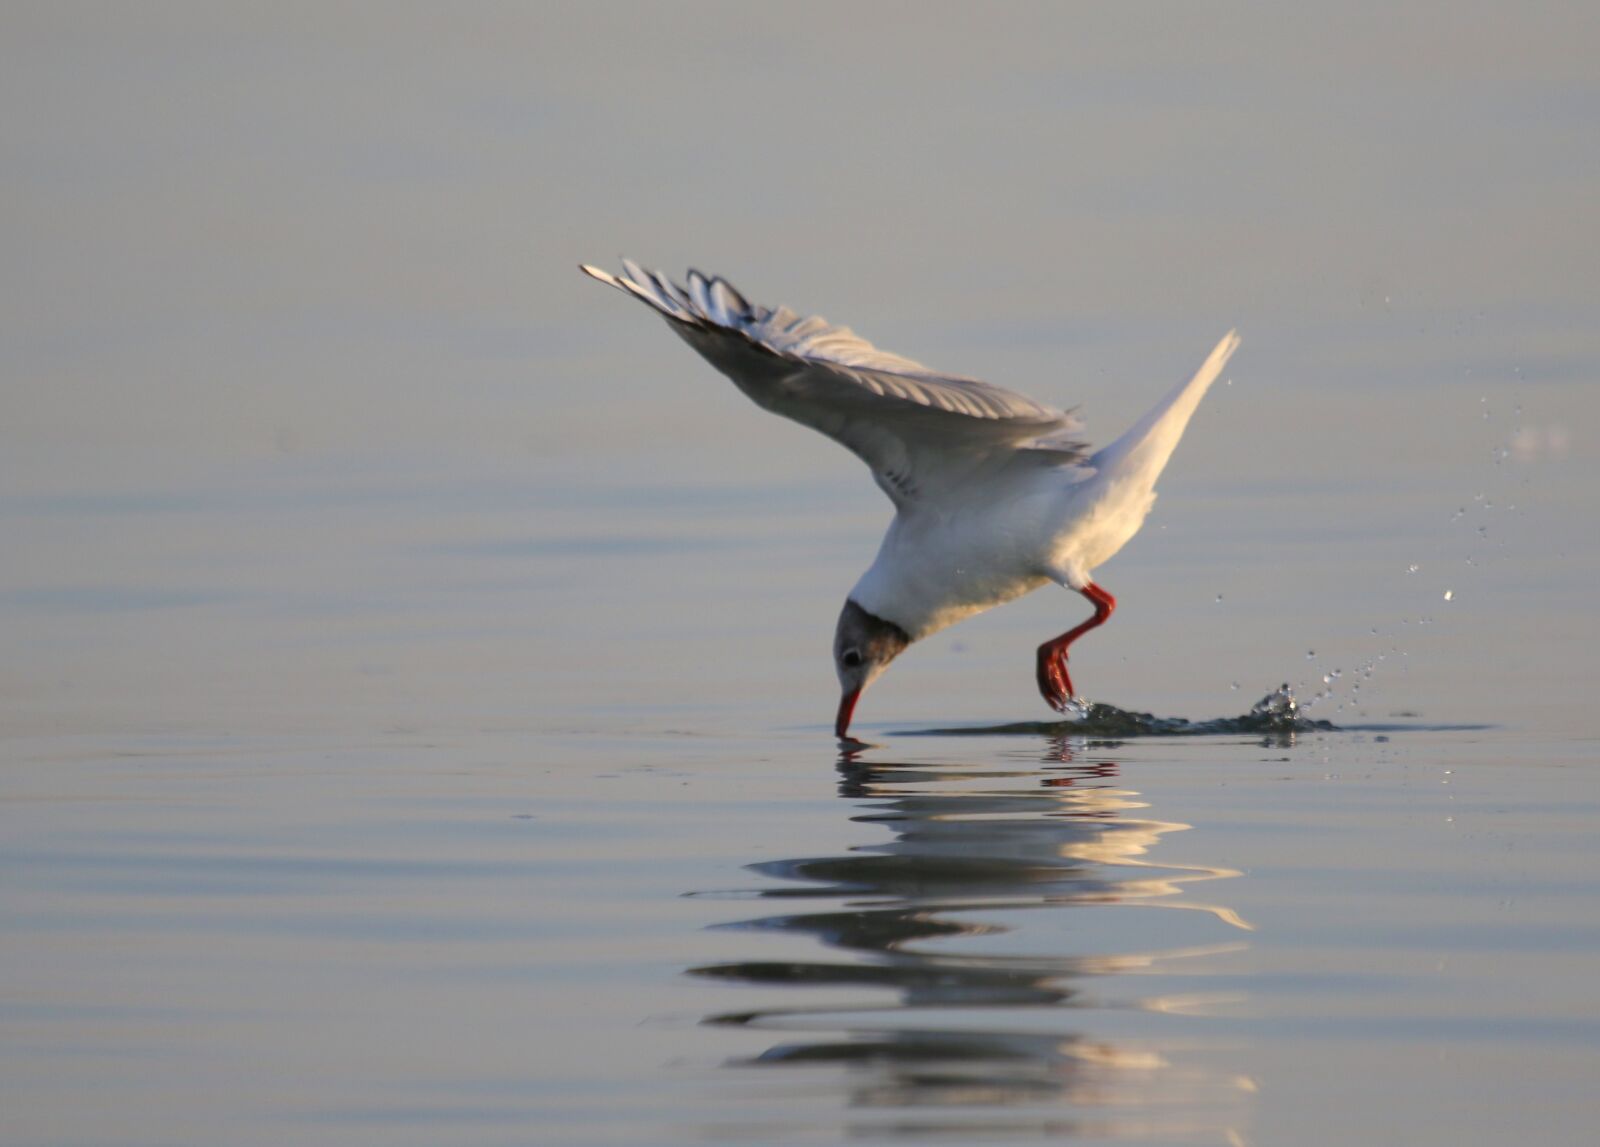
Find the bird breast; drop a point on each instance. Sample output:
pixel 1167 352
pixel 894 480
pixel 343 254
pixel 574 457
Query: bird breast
pixel 935 568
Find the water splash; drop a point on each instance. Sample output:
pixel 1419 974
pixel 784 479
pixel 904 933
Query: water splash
pixel 1078 709
pixel 1279 705
pixel 1277 712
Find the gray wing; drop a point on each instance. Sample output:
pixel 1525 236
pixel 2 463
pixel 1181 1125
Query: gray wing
pixel 905 421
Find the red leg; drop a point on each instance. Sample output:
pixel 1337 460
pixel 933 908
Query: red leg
pixel 1055 685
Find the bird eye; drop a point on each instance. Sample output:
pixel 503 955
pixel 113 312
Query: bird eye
pixel 850 658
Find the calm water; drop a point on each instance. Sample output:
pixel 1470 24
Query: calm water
pixel 692 938
pixel 414 685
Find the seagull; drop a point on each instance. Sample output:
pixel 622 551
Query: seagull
pixel 995 495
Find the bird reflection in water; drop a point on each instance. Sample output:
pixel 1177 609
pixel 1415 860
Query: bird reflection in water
pixel 938 1000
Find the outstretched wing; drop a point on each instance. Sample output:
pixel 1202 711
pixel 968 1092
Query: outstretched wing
pixel 905 421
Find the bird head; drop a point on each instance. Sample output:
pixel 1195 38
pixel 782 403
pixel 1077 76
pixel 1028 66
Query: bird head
pixel 863 646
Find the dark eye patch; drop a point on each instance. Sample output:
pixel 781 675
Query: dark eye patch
pixel 851 658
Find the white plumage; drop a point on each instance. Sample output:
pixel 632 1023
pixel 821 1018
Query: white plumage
pixel 995 494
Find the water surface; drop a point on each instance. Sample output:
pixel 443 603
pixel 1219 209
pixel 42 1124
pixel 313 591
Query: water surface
pixel 414 683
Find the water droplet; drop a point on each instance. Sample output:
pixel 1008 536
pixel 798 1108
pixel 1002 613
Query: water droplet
pixel 1310 653
pixel 1449 595
pixel 1326 680
pixel 1219 597
pixel 1337 673
pixel 1412 568
pixel 1235 685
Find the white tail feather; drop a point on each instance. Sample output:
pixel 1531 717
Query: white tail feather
pixel 1142 453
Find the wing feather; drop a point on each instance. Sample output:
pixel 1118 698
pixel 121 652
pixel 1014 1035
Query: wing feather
pixel 890 410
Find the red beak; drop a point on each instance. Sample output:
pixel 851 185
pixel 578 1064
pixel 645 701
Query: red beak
pixel 847 706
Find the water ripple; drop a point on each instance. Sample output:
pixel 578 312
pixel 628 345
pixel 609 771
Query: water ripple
pixel 996 959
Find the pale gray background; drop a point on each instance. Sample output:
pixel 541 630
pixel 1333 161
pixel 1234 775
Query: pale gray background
pixel 293 319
